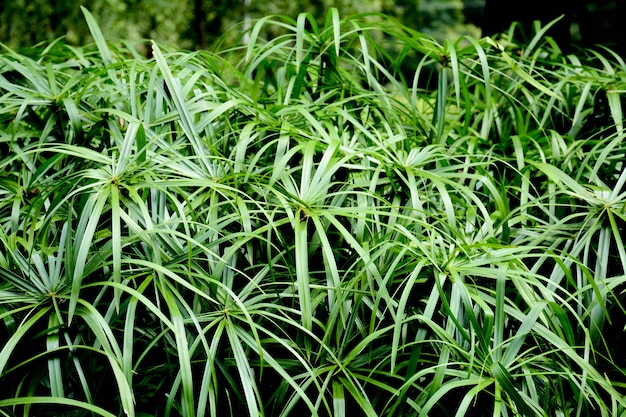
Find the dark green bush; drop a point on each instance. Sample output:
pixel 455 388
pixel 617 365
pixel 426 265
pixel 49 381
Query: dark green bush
pixel 298 226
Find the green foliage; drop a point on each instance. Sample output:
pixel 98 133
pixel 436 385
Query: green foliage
pixel 197 24
pixel 297 225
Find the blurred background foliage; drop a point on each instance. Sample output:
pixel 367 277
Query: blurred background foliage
pixel 194 24
pixel 197 24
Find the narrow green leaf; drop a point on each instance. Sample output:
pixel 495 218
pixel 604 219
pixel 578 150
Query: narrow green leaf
pixel 359 396
pixel 55 374
pixel 500 316
pixel 528 78
pixel 504 379
pixel 339 399
pixel 244 371
pixel 177 95
pixel 96 33
pixel 333 14
pixel 10 345
pixel 141 144
pixel 300 231
pixel 86 229
pixel 12 402
pixel 402 311
pixel 104 335
pixel 300 34
pixel 615 105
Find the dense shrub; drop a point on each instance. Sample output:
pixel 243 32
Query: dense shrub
pixel 301 226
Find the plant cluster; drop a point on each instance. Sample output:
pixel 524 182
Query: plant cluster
pixel 302 225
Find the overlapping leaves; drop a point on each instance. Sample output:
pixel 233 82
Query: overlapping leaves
pixel 298 225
